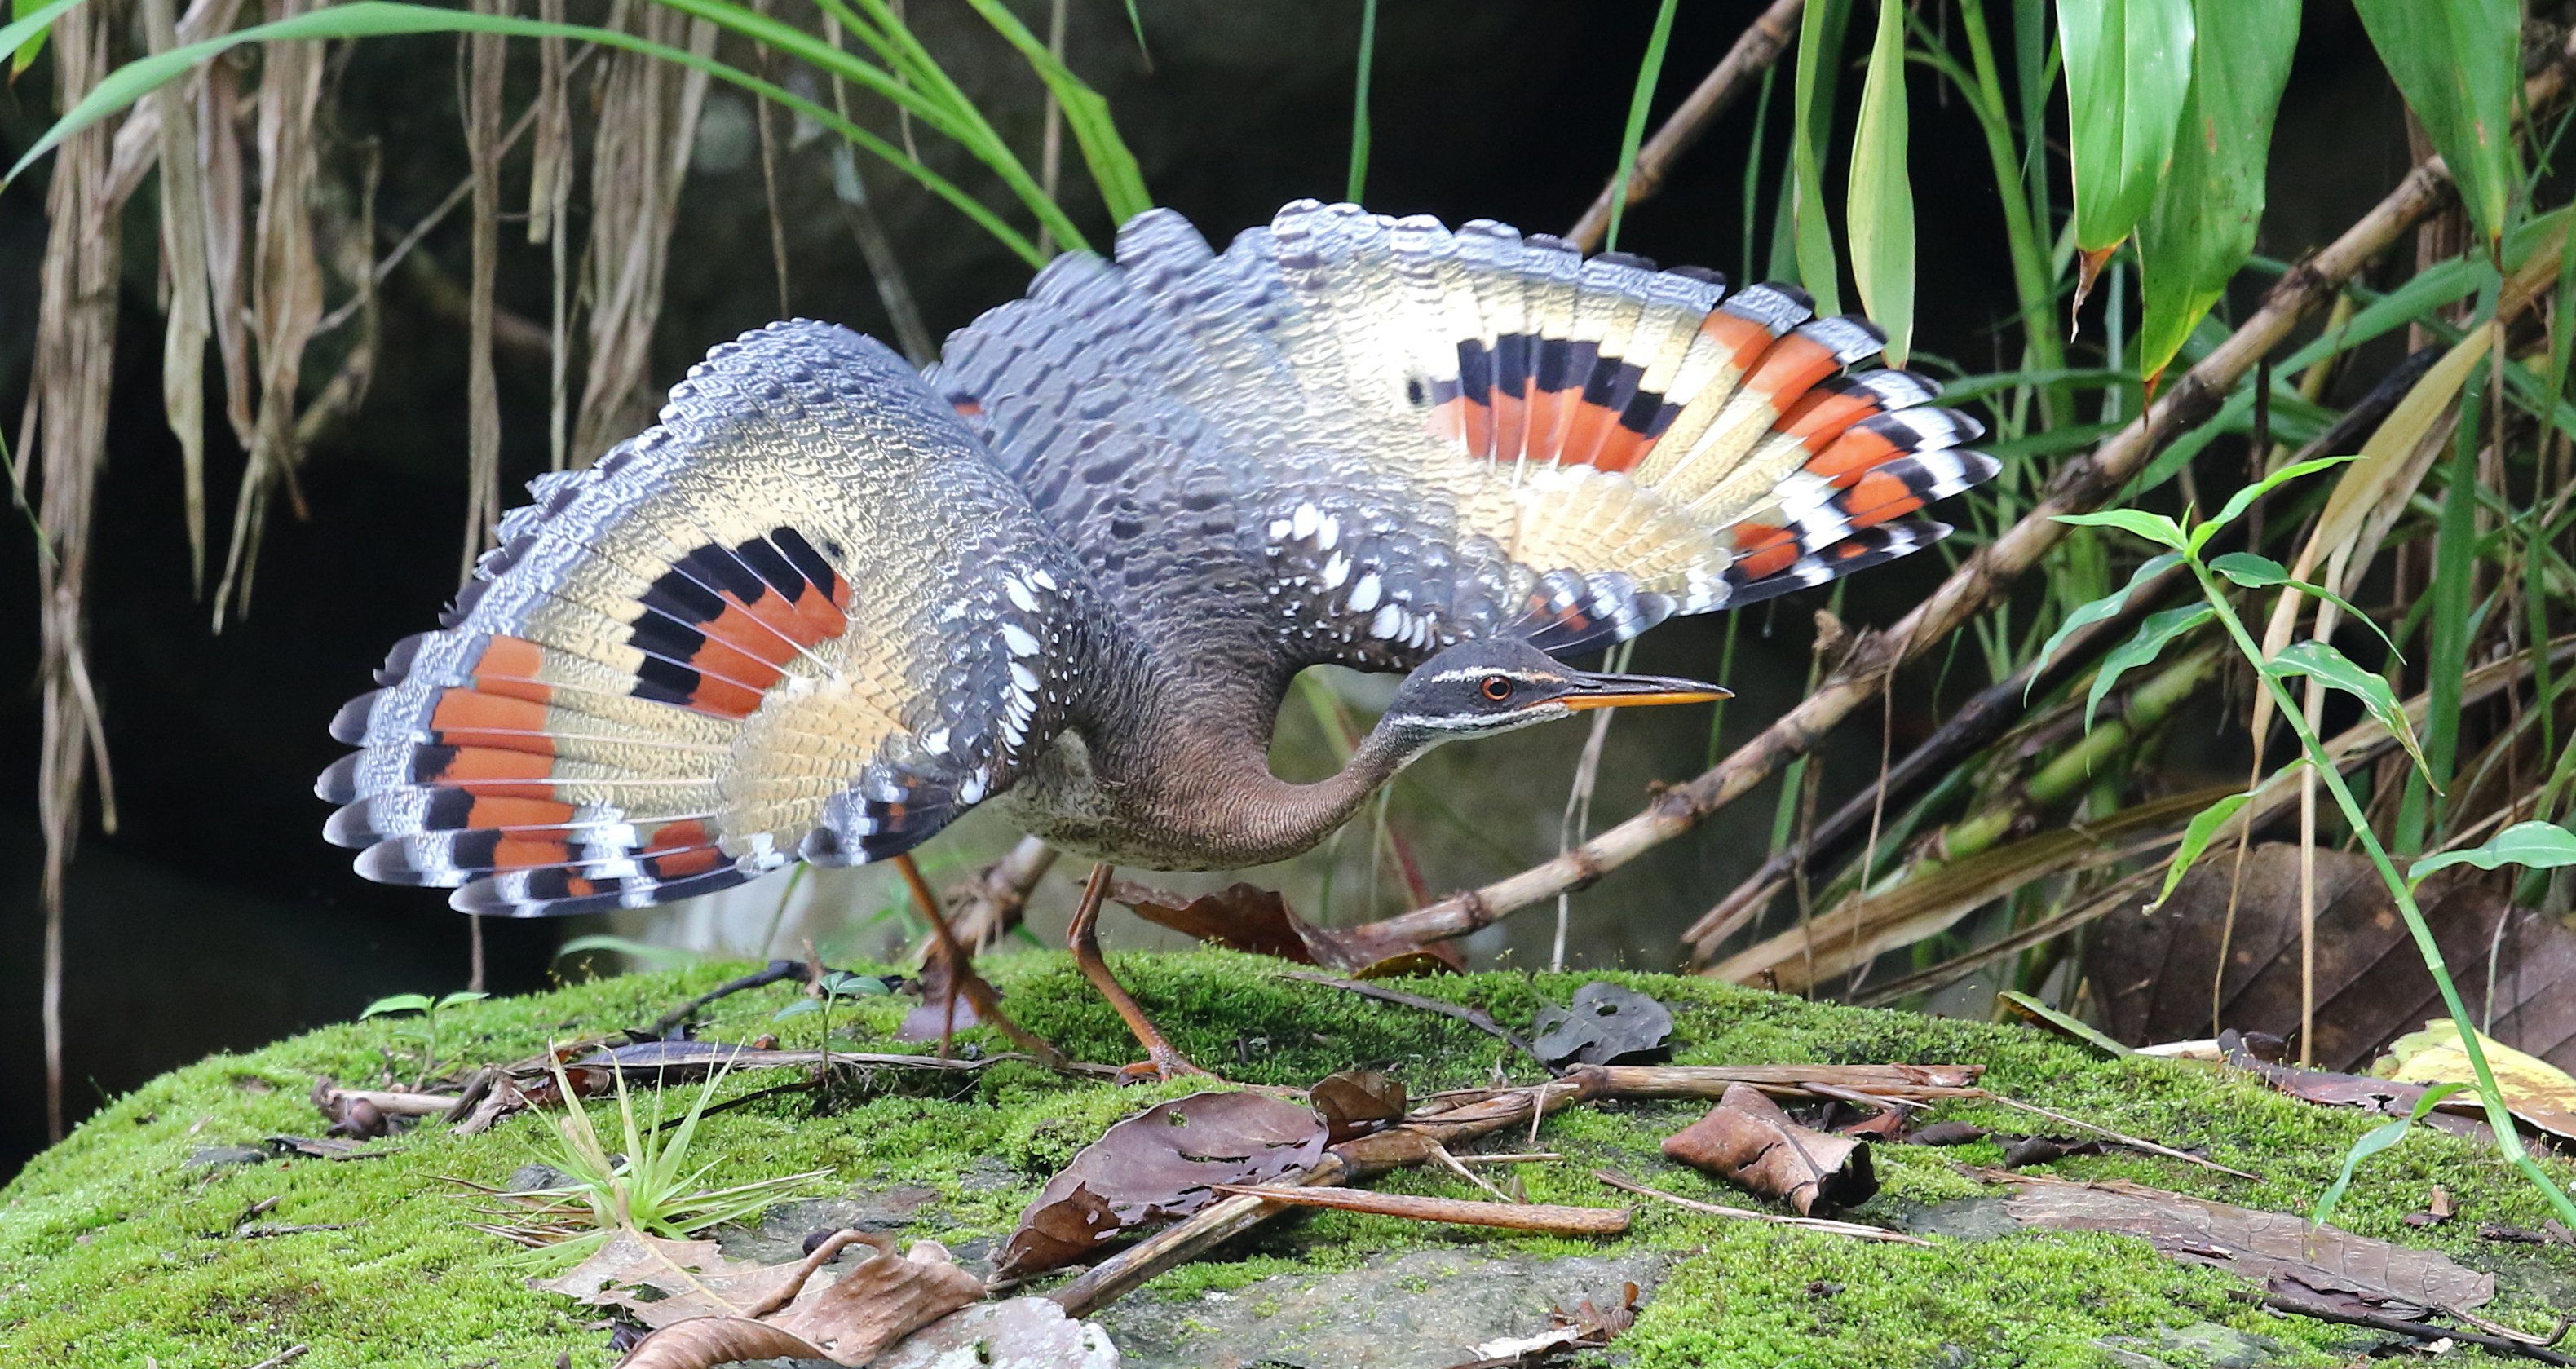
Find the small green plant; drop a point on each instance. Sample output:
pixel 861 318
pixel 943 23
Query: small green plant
pixel 2535 844
pixel 646 1188
pixel 834 986
pixel 429 1009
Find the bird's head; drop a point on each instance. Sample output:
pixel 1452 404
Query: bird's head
pixel 1477 688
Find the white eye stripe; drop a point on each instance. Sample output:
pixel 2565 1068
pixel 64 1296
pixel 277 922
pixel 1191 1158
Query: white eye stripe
pixel 1485 672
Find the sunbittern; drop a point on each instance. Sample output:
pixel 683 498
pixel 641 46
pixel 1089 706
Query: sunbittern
pixel 830 603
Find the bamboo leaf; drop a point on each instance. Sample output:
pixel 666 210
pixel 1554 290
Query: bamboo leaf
pixel 2375 1140
pixel 2154 527
pixel 2128 68
pixel 2322 663
pixel 2067 1024
pixel 2154 635
pixel 1086 114
pixel 24 36
pixel 2195 839
pixel 2531 845
pixel 1880 211
pixel 1640 99
pixel 2199 227
pixel 1820 42
pixel 391 18
pixel 2243 499
pixel 2108 606
pixel 2262 572
pixel 2458 63
pixel 1358 179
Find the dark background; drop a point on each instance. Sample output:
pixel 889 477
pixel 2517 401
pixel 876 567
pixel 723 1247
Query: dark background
pixel 216 918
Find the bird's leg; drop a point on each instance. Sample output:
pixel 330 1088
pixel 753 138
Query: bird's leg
pixel 963 982
pixel 1160 1058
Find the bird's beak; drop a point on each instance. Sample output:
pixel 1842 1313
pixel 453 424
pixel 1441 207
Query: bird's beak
pixel 1639 691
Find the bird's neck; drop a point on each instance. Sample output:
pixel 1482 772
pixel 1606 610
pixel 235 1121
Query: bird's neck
pixel 1214 801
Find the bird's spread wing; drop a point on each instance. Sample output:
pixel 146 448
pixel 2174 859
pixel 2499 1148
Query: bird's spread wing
pixel 1358 439
pixel 804 616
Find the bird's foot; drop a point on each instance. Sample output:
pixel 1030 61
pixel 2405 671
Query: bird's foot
pixel 1161 1065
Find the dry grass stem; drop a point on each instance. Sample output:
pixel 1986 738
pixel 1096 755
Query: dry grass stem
pixel 1551 1219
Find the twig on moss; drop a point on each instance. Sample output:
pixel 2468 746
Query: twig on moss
pixel 679 1017
pixel 2082 484
pixel 1550 1218
pixel 1856 1230
pixel 2414 1330
pixel 2131 1142
pixel 1473 1017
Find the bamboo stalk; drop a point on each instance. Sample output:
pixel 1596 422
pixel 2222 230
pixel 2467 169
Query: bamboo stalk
pixel 1551 1218
pixel 1983 578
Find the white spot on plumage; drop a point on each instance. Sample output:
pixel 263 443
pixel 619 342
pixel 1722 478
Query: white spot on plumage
pixel 1336 570
pixel 1279 528
pixel 1388 623
pixel 1329 533
pixel 1020 595
pixel 1044 580
pixel 1019 640
pixel 1024 677
pixel 1305 520
pixel 1364 595
pixel 935 741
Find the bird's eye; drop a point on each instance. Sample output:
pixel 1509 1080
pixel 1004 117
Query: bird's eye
pixel 1496 688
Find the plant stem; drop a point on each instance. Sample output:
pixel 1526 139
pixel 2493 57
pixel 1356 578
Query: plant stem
pixel 2499 1115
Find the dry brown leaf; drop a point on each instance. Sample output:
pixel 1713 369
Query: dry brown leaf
pixel 1158 1165
pixel 713 1310
pixel 1749 1142
pixel 2153 972
pixel 1246 917
pixel 1356 1102
pixel 2289 1255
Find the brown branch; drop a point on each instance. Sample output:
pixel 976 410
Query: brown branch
pixel 1755 50
pixel 2081 485
pixel 2131 1142
pixel 1551 1218
pixel 2415 1330
pixel 1855 1230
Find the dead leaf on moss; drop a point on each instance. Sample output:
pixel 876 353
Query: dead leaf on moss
pixel 1356 1102
pixel 1246 917
pixel 2540 1093
pixel 1749 1142
pixel 2289 1255
pixel 1158 1165
pixel 1604 1025
pixel 711 1309
pixel 1587 1327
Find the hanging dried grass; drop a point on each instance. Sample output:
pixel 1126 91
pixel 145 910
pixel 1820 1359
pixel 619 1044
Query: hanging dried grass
pixel 648 120
pixel 286 292
pixel 485 59
pixel 64 437
pixel 183 267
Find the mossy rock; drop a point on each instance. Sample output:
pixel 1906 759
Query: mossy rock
pixel 114 1247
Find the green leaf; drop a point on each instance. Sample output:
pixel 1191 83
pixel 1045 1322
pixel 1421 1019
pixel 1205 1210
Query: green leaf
pixel 27 36
pixel 2154 635
pixel 643 952
pixel 2243 499
pixel 391 18
pixel 2108 606
pixel 798 1008
pixel 2436 286
pixel 460 996
pixel 1820 42
pixel 401 1002
pixel 1357 180
pixel 2322 663
pixel 2128 68
pixel 843 984
pixel 1640 99
pixel 2531 845
pixel 2066 1023
pixel 2199 228
pixel 2374 1141
pixel 1879 215
pixel 2262 572
pixel 2154 527
pixel 2195 839
pixel 1086 114
pixel 2459 65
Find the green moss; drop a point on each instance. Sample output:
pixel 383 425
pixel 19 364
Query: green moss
pixel 110 1244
